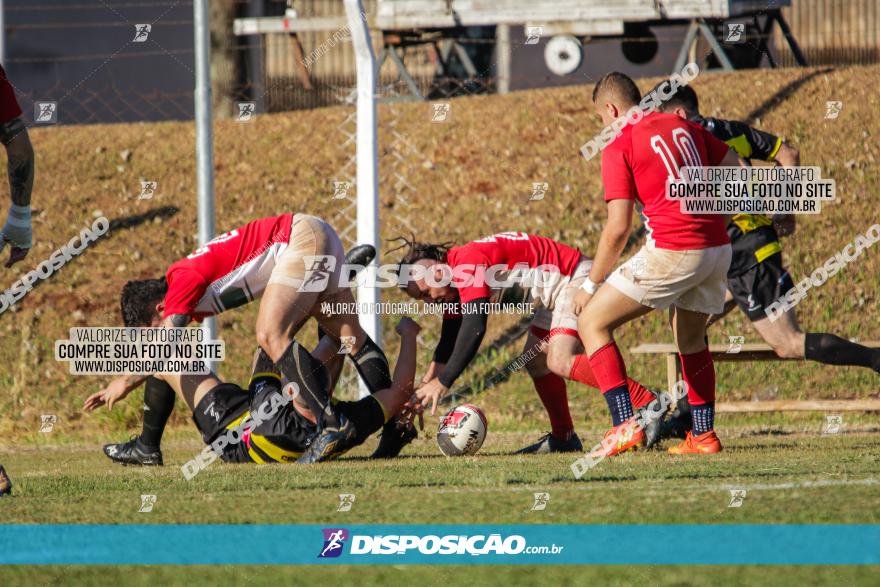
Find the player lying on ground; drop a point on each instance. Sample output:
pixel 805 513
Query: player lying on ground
pixel 292 261
pixel 145 448
pixel 757 276
pixel 683 266
pixel 271 427
pixel 552 272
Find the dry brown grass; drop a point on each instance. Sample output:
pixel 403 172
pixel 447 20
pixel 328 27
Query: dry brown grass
pixel 471 176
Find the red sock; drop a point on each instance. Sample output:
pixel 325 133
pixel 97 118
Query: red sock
pixel 698 371
pixel 551 390
pixel 608 367
pixel 582 373
pixel 639 394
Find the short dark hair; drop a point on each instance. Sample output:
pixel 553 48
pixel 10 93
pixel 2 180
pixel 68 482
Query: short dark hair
pixel 683 97
pixel 620 87
pixel 139 298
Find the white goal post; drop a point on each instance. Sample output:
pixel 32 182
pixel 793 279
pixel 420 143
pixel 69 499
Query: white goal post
pixel 367 164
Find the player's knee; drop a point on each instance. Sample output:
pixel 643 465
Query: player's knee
pixel 559 363
pixel 691 342
pixel 588 325
pixel 536 368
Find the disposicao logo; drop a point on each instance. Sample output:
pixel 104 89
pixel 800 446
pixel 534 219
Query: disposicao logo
pixel 334 540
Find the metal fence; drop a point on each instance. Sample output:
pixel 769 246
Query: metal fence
pixel 90 58
pixel 86 56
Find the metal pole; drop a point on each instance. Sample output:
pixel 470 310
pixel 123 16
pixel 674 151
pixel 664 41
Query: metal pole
pixel 367 163
pixel 204 134
pixel 502 57
pixel 2 33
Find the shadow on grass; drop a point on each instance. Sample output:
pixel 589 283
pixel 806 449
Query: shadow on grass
pixel 783 94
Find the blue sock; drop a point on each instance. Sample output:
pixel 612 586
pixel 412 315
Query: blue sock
pixel 619 404
pixel 703 418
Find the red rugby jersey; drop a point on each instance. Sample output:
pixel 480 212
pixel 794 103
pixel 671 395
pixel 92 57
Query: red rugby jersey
pixel 637 165
pixel 9 107
pixel 229 271
pixel 540 264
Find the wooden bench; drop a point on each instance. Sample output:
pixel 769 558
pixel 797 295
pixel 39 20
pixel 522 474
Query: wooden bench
pixel 755 352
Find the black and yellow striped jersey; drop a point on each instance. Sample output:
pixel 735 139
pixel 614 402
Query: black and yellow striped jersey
pixel 752 235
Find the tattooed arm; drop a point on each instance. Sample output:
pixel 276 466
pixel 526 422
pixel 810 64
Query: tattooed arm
pixel 20 167
pixel 14 137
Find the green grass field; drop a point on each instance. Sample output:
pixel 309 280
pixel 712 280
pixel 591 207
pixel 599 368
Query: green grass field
pixel 790 476
pixel 791 473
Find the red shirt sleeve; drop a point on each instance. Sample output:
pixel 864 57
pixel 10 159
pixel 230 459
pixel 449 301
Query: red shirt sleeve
pixel 185 289
pixel 716 149
pixel 617 174
pixel 9 107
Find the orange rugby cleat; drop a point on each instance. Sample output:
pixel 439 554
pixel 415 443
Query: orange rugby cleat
pixel 621 438
pixel 706 443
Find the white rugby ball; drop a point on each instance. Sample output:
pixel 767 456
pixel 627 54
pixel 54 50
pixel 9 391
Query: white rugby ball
pixel 462 431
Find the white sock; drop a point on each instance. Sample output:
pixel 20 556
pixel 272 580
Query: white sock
pixel 18 226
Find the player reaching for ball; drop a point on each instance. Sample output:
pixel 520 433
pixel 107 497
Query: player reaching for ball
pixel 683 265
pixel 293 263
pixel 757 277
pixel 552 272
pixel 273 427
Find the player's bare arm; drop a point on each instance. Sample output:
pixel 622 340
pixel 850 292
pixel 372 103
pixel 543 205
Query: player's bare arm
pixel 611 245
pixel 434 370
pixel 786 156
pixel 123 385
pixel 20 168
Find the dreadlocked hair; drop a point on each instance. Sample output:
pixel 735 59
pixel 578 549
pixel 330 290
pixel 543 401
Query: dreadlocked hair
pixel 418 251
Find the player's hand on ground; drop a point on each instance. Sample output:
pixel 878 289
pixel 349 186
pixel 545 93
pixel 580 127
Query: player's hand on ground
pixel 408 327
pixel 111 394
pixel 785 224
pixel 411 409
pixel 16 254
pixel 431 393
pixel 581 299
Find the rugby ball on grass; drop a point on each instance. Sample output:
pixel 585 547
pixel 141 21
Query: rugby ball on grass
pixel 462 431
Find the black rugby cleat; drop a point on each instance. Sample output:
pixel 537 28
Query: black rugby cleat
pixel 330 443
pixel 129 453
pixel 393 439
pixel 548 444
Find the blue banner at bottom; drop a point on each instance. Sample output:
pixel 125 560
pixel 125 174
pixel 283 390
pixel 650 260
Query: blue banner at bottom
pixel 73 544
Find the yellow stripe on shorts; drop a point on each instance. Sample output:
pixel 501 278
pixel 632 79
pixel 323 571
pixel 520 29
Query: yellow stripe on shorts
pixel 768 250
pixel 255 457
pixel 238 420
pixel 276 453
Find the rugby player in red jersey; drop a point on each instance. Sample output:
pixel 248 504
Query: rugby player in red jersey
pixel 757 277
pixel 293 262
pixel 20 154
pixel 553 273
pixel 20 167
pixel 269 425
pixel 683 265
